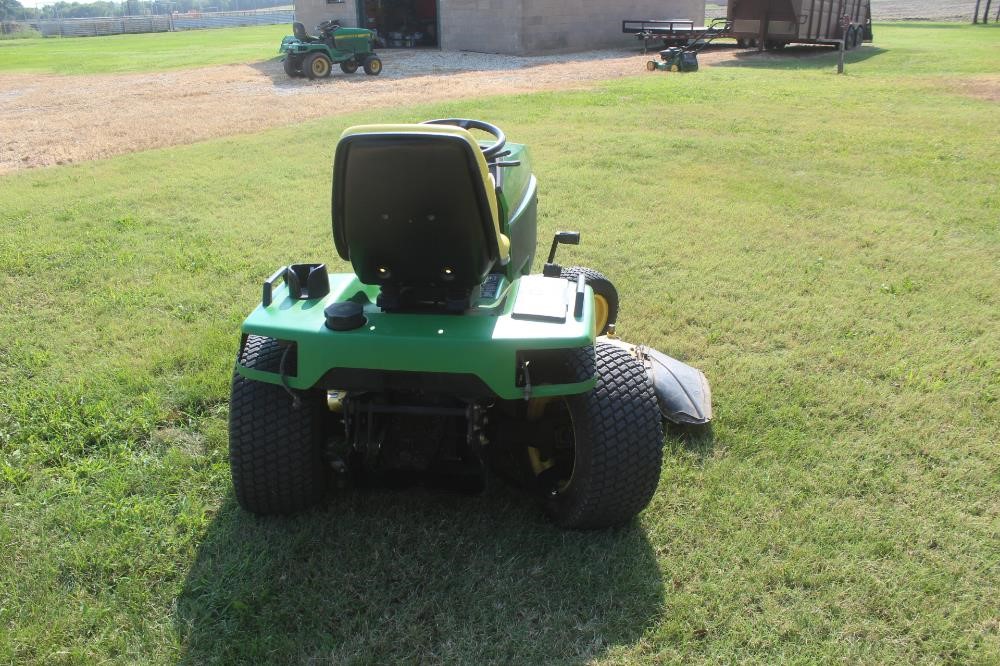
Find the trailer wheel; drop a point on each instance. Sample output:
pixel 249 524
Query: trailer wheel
pixel 605 463
pixel 275 449
pixel 605 295
pixel 291 67
pixel 651 66
pixel 317 66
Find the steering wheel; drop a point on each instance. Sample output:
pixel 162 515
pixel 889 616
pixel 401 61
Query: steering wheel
pixel 489 151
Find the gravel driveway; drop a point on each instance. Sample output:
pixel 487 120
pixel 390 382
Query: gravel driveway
pixel 51 119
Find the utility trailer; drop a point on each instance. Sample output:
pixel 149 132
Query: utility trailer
pixel 773 24
pixel 672 32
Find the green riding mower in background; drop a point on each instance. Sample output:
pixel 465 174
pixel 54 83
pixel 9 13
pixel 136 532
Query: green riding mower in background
pixel 314 57
pixel 441 354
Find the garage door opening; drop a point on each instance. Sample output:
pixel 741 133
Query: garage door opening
pixel 402 23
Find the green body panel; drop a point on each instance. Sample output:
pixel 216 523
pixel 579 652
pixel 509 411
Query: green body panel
pixel 483 341
pixel 518 198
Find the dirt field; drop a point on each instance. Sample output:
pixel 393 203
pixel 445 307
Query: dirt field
pixel 60 119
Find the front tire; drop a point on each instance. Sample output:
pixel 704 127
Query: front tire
pixel 373 66
pixel 612 468
pixel 349 66
pixel 275 450
pixel 605 296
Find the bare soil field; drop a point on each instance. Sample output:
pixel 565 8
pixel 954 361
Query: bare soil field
pixel 51 119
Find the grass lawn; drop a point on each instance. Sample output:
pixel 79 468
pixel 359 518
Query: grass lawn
pixel 143 52
pixel 826 249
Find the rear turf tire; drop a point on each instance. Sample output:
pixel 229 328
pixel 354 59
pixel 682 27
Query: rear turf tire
pixel 317 66
pixel 275 450
pixel 603 289
pixel 617 447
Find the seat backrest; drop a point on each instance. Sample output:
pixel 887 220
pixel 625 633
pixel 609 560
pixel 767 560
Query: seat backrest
pixel 415 211
pixel 299 31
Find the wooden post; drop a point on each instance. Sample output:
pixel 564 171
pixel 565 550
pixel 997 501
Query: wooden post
pixel 840 60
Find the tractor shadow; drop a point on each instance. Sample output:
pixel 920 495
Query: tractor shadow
pixel 417 63
pixel 413 576
pixel 799 57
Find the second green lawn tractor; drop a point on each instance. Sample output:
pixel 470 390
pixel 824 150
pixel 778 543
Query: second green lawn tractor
pixel 314 57
pixel 441 354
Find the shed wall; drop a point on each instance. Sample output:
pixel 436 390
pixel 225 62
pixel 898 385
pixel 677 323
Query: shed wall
pixel 553 26
pixel 311 12
pixel 525 26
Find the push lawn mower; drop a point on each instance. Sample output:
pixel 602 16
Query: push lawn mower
pixel 441 353
pixel 685 58
pixel 310 56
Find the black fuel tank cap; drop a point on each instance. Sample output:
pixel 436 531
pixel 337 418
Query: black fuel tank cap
pixel 344 316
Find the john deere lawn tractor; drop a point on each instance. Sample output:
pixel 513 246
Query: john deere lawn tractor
pixel 441 354
pixel 310 56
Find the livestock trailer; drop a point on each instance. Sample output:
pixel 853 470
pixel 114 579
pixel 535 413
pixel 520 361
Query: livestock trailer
pixel 773 24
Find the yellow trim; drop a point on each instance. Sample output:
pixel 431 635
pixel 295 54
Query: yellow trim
pixel 538 465
pixel 601 311
pixel 448 130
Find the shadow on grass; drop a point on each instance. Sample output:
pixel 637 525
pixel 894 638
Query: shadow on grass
pixel 800 57
pixel 416 575
pixel 699 440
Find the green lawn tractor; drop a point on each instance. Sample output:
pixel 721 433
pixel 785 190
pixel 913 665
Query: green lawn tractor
pixel 310 56
pixel 441 355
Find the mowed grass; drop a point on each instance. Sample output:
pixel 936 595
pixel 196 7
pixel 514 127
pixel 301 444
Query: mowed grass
pixel 142 53
pixel 825 248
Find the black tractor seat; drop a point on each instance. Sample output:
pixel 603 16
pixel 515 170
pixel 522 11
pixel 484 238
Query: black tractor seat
pixel 415 212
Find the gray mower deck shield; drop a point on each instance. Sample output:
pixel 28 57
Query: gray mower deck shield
pixel 681 390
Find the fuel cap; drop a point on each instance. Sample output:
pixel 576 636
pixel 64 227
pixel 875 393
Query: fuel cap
pixel 344 316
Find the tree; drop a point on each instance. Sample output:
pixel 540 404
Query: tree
pixel 975 14
pixel 10 9
pixel 986 12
